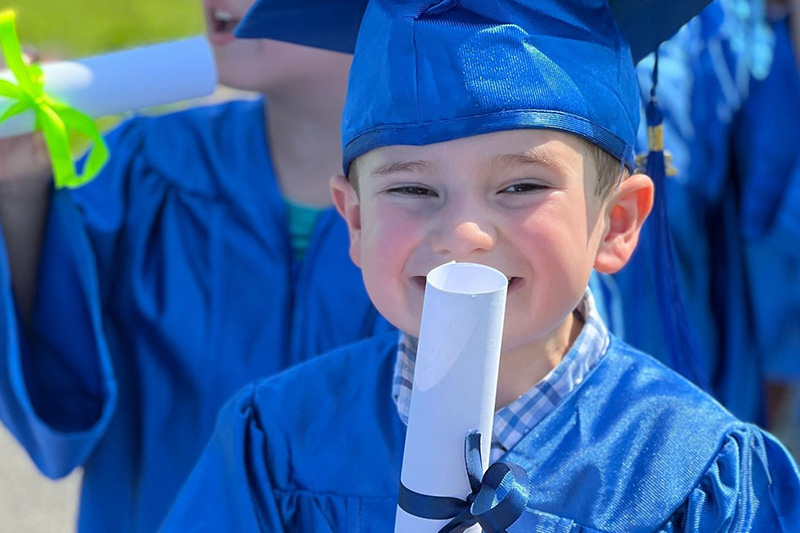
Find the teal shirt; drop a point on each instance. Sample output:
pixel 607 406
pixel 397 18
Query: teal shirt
pixel 302 219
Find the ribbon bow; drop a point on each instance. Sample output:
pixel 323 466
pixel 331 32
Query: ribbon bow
pixel 53 118
pixel 497 500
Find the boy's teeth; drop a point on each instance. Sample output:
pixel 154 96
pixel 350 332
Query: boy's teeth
pixel 223 16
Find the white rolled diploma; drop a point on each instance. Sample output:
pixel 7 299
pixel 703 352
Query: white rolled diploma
pixel 123 81
pixel 455 383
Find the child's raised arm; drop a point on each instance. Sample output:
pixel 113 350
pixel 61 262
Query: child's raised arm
pixel 24 196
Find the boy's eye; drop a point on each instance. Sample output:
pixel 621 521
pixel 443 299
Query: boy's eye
pixel 412 190
pixel 523 188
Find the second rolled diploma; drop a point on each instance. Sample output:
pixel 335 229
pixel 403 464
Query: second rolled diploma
pixel 122 81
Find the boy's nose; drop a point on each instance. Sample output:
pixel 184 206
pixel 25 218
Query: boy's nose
pixel 459 240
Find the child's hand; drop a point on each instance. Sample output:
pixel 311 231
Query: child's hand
pixel 24 161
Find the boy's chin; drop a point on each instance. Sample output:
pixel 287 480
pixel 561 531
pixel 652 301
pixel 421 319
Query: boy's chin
pixel 408 325
pixel 410 328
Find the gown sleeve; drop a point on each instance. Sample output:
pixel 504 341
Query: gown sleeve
pixel 247 478
pixel 229 488
pixel 57 385
pixel 752 484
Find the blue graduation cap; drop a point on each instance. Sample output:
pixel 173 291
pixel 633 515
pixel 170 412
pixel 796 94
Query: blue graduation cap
pixel 434 70
pixel 428 71
pixel 644 23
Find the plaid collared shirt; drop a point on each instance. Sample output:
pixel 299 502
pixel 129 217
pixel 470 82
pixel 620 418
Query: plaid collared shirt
pixel 515 420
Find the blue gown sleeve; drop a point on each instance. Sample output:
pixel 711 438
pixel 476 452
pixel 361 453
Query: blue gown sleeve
pixel 229 488
pixel 247 480
pixel 57 386
pixel 752 484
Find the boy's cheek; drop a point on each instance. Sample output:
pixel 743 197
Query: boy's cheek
pixel 386 233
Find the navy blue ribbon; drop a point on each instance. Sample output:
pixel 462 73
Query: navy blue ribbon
pixel 496 502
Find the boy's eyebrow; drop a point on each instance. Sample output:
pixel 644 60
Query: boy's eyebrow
pixel 532 156
pixel 401 166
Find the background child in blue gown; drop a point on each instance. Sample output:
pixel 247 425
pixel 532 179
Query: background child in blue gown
pixel 768 163
pixel 493 132
pixel 206 254
pixel 729 96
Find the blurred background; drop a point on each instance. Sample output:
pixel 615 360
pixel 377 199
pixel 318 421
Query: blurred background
pixel 83 27
pixel 30 503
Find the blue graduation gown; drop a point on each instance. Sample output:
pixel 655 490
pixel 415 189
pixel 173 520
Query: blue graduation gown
pixel 768 163
pixel 165 285
pixel 634 448
pixel 705 87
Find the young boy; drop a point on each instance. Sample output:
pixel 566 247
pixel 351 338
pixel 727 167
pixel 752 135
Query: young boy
pixel 206 253
pixel 492 131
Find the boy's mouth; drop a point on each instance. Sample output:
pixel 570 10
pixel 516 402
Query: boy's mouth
pixel 221 24
pixel 513 282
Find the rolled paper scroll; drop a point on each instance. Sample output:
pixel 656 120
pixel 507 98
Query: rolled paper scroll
pixel 123 81
pixel 455 383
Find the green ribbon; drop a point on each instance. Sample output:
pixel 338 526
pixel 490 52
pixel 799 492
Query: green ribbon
pixel 53 118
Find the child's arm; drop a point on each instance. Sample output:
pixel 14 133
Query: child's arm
pixel 24 197
pixel 25 176
pixel 57 384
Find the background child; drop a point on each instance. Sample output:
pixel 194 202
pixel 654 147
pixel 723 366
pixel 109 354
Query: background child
pixel 728 91
pixel 205 254
pixel 493 132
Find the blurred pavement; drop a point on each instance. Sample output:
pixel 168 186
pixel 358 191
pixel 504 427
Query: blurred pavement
pixel 29 502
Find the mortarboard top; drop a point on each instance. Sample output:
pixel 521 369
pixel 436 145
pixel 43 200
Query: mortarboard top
pixel 431 71
pixel 645 23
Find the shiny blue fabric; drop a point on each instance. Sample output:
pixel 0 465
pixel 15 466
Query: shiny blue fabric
pixel 715 117
pixel 427 72
pixel 334 24
pixel 634 448
pixel 165 285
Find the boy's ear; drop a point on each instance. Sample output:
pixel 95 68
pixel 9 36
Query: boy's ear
pixel 625 213
pixel 345 198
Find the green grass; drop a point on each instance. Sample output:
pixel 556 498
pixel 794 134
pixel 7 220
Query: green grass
pixel 75 28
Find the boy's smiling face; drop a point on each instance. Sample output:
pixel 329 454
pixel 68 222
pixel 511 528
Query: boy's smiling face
pixel 520 201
